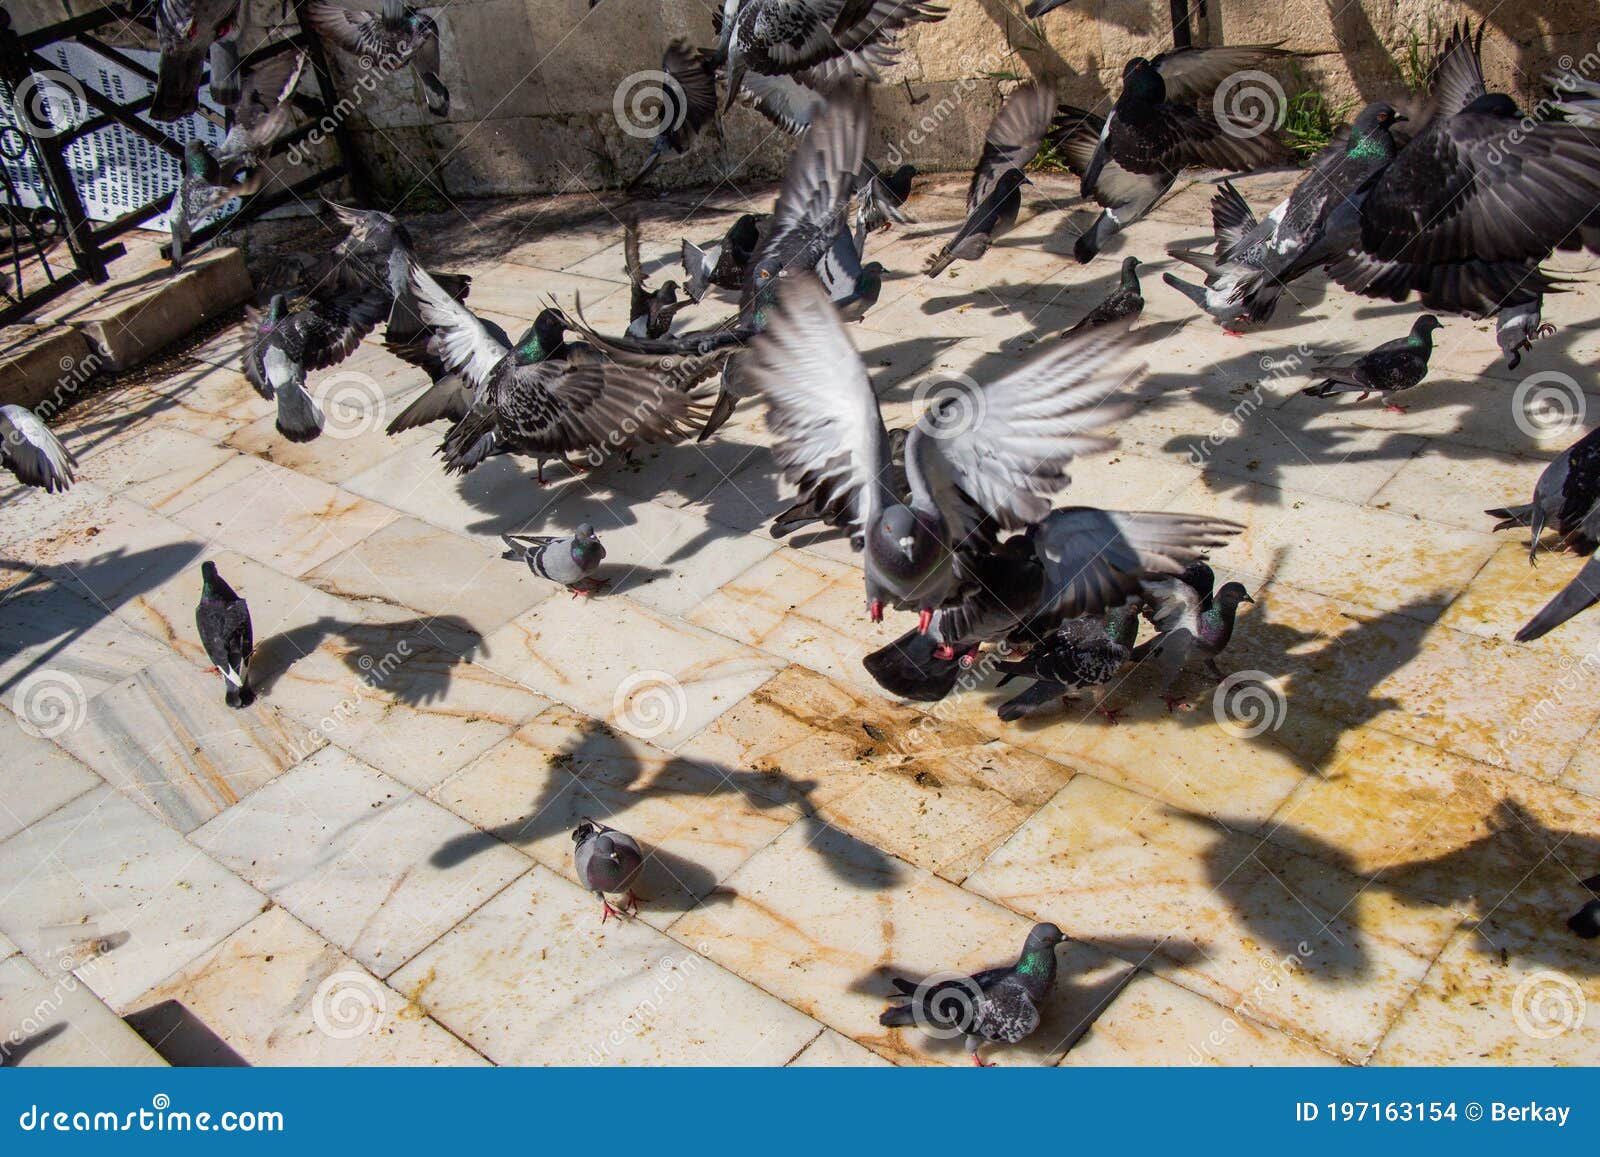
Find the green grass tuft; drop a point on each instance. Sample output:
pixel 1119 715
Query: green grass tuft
pixel 1310 121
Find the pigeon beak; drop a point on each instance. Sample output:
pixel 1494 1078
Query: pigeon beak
pixel 1398 117
pixel 1248 599
pixel 905 544
pixel 735 80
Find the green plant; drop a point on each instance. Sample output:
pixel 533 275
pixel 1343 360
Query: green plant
pixel 1310 121
pixel 1415 62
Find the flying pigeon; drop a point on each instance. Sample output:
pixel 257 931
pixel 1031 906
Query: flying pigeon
pixel 910 668
pixel 223 622
pixel 412 340
pixel 288 344
pixel 999 1004
pixel 722 262
pixel 1393 367
pixel 853 287
pixel 570 561
pixel 1000 469
pixel 789 102
pixel 32 453
pixel 995 194
pixel 1567 499
pixel 1585 922
pixel 529 402
pixel 650 311
pixel 1123 303
pixel 1161 123
pixel 1189 622
pixel 1082 652
pixel 812 509
pixel 784 37
pixel 388 40
pixel 608 862
pixel 688 103
pixel 209 180
pixel 185 32
pixel 881 197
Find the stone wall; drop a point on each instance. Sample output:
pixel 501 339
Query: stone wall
pixel 533 81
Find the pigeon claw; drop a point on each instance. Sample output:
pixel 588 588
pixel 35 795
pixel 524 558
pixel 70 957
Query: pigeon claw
pixel 924 618
pixel 981 1063
pixel 944 652
pixel 1112 715
pixel 1391 408
pixel 875 610
pixel 1232 332
pixel 1176 704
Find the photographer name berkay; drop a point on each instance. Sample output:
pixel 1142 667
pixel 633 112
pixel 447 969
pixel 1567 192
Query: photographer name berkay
pixel 1538 1114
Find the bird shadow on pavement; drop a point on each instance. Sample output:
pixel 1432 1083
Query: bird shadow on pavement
pixel 411 660
pixel 602 775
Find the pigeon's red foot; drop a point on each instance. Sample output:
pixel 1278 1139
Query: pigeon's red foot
pixel 924 617
pixel 607 911
pixel 981 1063
pixel 630 904
pixel 1545 330
pixel 1391 408
pixel 1232 332
pixel 1363 396
pixel 1112 715
pixel 944 652
pixel 213 670
pixel 1175 704
pixel 875 610
pixel 590 587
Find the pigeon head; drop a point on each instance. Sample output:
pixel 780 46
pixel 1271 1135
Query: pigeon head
pixel 906 545
pixel 422 27
pixel 1494 104
pixel 277 310
pixel 1045 936
pixel 1422 329
pixel 745 235
pixel 545 336
pixel 212 583
pixel 1122 623
pixel 1369 135
pixel 668 292
pixel 1141 80
pixel 585 532
pixel 583 831
pixel 1130 273
pixel 1231 595
pixel 198 161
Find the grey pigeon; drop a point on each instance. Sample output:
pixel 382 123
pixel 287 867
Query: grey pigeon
pixel 1190 623
pixel 999 1004
pixel 287 344
pixel 209 180
pixel 1254 261
pixel 650 311
pixel 853 287
pixel 999 470
pixel 995 194
pixel 1123 303
pixel 1585 922
pixel 1161 123
pixel 687 103
pixel 1392 368
pixel 387 40
pixel 722 262
pixel 608 863
pixel 1567 499
pixel 32 453
pixel 570 560
pixel 412 340
pixel 185 32
pixel 223 622
pixel 881 200
pixel 1082 652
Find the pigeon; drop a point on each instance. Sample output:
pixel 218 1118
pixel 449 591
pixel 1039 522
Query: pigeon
pixel 223 622
pixel 412 340
pixel 722 262
pixel 789 102
pixel 1037 8
pixel 1393 367
pixel 995 194
pixel 185 32
pixel 1585 922
pixel 32 453
pixel 650 311
pixel 1000 469
pixel 608 862
pixel 998 1004
pixel 1254 261
pixel 388 40
pixel 1473 202
pixel 288 344
pixel 1123 303
pixel 1082 652
pixel 1128 161
pixel 910 668
pixel 853 287
pixel 208 180
pixel 688 103
pixel 1189 622
pixel 812 509
pixel 785 37
pixel 529 401
pixel 570 561
pixel 881 197
pixel 1567 499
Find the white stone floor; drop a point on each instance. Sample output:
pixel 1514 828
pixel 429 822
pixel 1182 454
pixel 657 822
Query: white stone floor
pixel 372 864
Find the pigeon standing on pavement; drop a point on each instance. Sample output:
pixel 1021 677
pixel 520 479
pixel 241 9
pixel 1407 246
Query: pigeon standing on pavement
pixel 32 453
pixel 1122 303
pixel 387 40
pixel 1082 652
pixel 1392 368
pixel 287 344
pixel 223 621
pixel 570 560
pixel 608 863
pixel 1162 122
pixel 995 194
pixel 1190 622
pixel 999 1004
pixel 1567 499
pixel 185 32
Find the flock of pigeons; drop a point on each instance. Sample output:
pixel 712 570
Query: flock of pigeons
pixel 955 517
